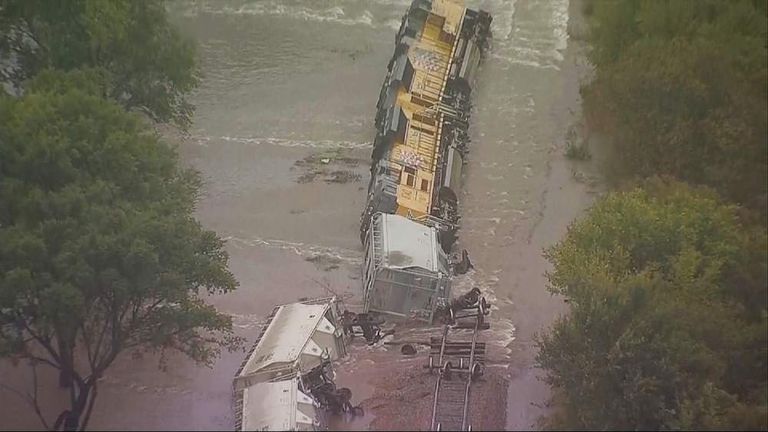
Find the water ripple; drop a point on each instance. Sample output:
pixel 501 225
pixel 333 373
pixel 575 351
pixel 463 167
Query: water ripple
pixel 282 142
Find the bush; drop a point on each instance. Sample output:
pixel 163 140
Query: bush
pixel 667 328
pixel 680 90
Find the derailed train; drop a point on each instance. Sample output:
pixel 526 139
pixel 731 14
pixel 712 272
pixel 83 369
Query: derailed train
pixel 408 227
pixel 411 217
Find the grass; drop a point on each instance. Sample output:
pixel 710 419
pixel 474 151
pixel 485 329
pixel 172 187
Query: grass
pixel 579 152
pixel 575 148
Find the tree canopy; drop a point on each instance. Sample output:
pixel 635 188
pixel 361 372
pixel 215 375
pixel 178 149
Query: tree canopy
pixel 680 89
pixel 99 250
pixel 147 63
pixel 668 323
pixel 668 327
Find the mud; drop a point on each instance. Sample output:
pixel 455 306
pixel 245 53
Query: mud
pixel 325 263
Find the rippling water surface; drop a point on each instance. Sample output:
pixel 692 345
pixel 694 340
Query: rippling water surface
pixel 290 84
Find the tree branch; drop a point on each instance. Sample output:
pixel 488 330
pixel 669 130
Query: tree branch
pixel 99 343
pixel 91 402
pixel 87 342
pixel 42 360
pixel 30 399
pixel 44 342
pixel 36 406
pixel 30 32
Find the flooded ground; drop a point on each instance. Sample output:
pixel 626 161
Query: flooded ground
pixel 520 192
pixel 282 136
pixel 519 195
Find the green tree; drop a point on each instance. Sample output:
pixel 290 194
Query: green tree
pixel 148 64
pixel 99 251
pixel 668 323
pixel 680 90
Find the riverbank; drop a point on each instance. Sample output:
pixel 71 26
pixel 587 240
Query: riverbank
pixel 509 257
pixel 570 187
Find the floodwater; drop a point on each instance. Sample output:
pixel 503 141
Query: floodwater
pixel 282 136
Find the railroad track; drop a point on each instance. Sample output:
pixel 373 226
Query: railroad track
pixel 458 365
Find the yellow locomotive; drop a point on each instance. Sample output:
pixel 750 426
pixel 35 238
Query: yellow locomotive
pixel 421 139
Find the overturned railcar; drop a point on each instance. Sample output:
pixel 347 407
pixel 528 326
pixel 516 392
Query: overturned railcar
pixel 278 406
pixel 422 138
pixel 274 386
pixel 406 271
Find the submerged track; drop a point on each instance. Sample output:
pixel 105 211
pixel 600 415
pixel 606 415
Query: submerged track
pixel 459 364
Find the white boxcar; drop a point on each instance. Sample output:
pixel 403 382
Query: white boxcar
pixel 297 338
pixel 278 406
pixel 405 272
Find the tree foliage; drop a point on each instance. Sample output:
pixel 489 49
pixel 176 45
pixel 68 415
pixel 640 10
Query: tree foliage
pixel 668 324
pixel 148 65
pixel 99 251
pixel 681 89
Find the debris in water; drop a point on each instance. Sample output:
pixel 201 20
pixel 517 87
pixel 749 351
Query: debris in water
pixel 325 262
pixel 343 177
pixel 314 167
pixel 307 177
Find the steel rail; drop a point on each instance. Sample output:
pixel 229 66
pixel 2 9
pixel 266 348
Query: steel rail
pixel 471 368
pixel 434 424
pixel 439 378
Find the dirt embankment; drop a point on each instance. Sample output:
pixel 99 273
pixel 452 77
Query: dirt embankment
pixel 396 390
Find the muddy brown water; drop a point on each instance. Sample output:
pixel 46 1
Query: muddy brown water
pixel 284 111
